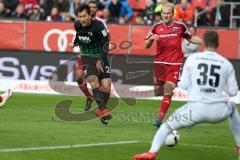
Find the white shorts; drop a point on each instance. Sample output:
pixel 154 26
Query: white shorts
pixel 195 112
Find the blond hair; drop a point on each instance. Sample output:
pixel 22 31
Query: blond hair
pixel 169 5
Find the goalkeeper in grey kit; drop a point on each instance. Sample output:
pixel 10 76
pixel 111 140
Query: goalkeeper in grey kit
pixel 93 40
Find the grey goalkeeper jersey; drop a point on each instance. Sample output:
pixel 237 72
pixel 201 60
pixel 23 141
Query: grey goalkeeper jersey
pixel 206 76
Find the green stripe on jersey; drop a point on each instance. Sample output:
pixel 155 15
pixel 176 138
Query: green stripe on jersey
pixel 92 50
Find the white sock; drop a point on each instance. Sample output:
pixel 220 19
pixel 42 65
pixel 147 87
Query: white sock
pixel 235 125
pixel 159 138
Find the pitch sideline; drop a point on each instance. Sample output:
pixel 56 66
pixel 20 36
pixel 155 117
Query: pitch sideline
pixel 100 144
pixel 66 146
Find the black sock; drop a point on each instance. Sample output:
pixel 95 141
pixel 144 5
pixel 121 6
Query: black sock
pixel 99 98
pixel 106 97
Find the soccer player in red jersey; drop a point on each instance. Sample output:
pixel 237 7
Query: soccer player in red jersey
pixel 169 57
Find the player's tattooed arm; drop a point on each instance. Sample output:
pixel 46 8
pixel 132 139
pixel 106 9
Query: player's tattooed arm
pixel 148 43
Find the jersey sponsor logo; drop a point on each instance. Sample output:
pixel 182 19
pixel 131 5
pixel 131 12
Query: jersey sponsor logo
pixel 84 39
pixel 62 39
pixel 104 32
pixel 167 35
pixel 175 29
pixel 90 33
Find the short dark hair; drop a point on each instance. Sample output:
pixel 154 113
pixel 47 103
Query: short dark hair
pixel 92 1
pixel 211 38
pixel 83 7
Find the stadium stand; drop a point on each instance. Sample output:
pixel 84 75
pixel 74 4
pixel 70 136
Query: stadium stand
pixel 143 12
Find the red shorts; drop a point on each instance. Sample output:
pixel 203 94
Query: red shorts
pixel 165 72
pixel 79 64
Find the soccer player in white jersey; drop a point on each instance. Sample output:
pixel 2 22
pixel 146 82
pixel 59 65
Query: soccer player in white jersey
pixel 205 76
pixel 4 97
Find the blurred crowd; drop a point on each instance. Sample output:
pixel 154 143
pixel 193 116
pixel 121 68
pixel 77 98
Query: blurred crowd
pixel 142 12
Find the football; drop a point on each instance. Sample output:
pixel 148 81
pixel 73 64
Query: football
pixel 172 139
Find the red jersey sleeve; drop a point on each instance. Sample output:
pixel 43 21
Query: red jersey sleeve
pixel 185 33
pixel 151 32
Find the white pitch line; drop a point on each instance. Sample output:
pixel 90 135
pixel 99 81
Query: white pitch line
pixel 206 146
pixel 101 144
pixel 198 145
pixel 66 146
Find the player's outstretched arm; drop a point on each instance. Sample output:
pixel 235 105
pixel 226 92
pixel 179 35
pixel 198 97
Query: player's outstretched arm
pixel 195 40
pixel 72 45
pixel 75 42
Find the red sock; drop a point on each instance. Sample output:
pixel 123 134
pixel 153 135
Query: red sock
pixel 0 98
pixel 164 106
pixel 83 86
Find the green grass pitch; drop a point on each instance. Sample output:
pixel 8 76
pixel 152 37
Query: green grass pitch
pixel 29 121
